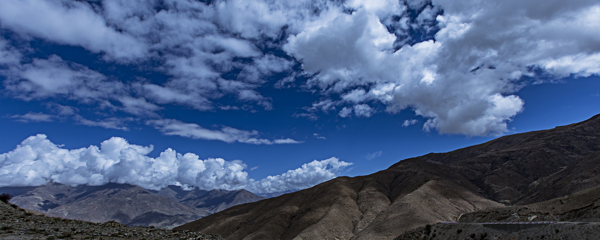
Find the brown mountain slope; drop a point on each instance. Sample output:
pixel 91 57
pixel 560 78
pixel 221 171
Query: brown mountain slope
pixel 582 206
pixel 378 206
pixel 578 214
pixel 581 175
pixel 419 191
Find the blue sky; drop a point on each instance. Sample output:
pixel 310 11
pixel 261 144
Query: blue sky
pixel 276 96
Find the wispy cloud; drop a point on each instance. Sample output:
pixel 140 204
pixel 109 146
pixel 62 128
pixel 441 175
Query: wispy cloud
pixel 108 123
pixel 33 117
pixel 374 155
pixel 225 134
pixel 319 136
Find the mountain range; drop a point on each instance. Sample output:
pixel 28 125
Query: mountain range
pixel 486 182
pixel 126 204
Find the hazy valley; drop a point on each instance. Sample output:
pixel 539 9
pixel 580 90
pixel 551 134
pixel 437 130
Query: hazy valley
pixel 126 204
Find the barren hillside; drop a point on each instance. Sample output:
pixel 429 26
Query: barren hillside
pixel 517 169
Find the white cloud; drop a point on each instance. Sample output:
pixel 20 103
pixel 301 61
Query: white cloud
pixel 109 123
pixel 225 134
pixel 33 117
pixel 166 95
pixel 345 112
pixel 57 78
pixel 374 155
pixel 355 96
pixel 285 141
pixel 409 122
pixel 137 106
pixel 262 67
pixel 363 110
pixel 8 54
pixel 188 38
pixel 324 105
pixel 68 22
pixel 360 110
pixel 319 136
pixel 308 175
pixel 462 82
pixel 43 78
pixel 61 110
pixel 37 161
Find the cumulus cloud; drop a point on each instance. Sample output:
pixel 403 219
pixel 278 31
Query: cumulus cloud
pixel 363 110
pixel 37 161
pixel 462 82
pixel 308 175
pixel 460 70
pixel 225 134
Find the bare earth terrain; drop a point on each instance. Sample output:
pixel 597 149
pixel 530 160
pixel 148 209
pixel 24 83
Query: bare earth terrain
pixel 486 182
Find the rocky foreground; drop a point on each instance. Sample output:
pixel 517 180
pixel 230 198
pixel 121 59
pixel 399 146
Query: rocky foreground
pixel 18 223
pixel 472 231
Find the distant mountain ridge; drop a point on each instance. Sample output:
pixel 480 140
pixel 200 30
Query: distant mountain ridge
pixel 212 201
pixel 126 204
pixel 519 169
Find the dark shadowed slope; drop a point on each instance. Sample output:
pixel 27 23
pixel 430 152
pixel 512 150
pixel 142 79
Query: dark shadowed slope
pixel 423 190
pixel 574 216
pixel 508 169
pixel 582 206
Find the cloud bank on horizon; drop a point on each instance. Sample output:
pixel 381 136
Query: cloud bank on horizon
pixel 37 161
pixel 458 64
